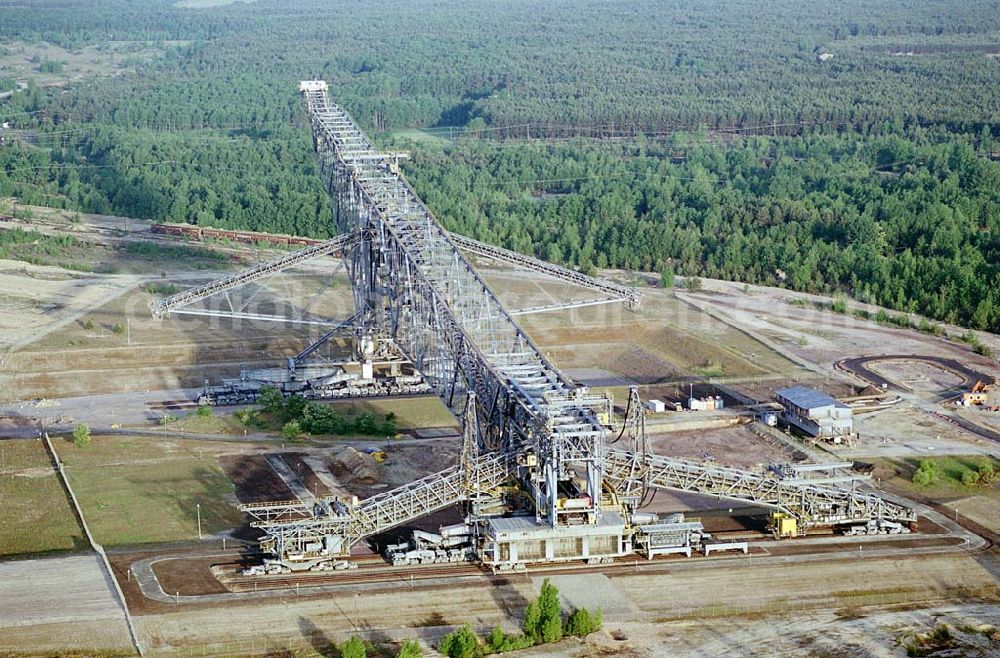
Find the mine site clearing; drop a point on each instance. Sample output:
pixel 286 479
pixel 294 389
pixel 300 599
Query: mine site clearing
pixel 736 392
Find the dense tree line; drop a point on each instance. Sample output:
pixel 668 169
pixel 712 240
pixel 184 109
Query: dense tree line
pixel 907 223
pixel 869 179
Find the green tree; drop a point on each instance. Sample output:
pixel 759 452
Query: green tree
pixel 533 621
pixel 970 478
pixel 410 649
pixel 552 629
pixel 582 622
pixel 354 648
pixel 926 473
pixel 291 430
pixel 271 400
pixel 461 643
pixel 543 618
pixel 81 435
pixel 667 277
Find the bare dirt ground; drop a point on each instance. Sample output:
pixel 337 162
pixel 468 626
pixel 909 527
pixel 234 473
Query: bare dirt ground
pixel 907 430
pixel 920 376
pixel 733 446
pixel 652 615
pixel 833 633
pixel 823 337
pixel 984 510
pixel 666 341
pixel 36 300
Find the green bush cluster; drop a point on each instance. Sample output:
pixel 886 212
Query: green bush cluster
pixel 299 415
pixel 543 624
pixel 165 289
pixel 927 473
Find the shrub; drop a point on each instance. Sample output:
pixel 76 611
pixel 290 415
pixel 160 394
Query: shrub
pixel 543 620
pixel 81 435
pixel 410 649
pixel 986 472
pixel 500 642
pixel 291 429
pixel 247 417
pixel 154 288
pixel 355 648
pixel 204 411
pixel 118 328
pixel 926 473
pixel 463 643
pixel 582 622
pixel 970 478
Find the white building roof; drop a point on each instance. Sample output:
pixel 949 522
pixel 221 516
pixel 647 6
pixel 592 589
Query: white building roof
pixel 807 398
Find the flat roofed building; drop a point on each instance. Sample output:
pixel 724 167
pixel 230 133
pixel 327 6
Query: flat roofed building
pixel 815 413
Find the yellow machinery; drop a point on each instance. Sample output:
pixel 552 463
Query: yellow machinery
pixel 783 525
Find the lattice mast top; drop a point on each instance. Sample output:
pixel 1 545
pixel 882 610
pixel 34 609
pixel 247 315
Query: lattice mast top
pixel 412 281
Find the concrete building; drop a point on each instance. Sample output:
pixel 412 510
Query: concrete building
pixel 815 413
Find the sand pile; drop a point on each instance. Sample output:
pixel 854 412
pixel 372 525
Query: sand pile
pixel 352 466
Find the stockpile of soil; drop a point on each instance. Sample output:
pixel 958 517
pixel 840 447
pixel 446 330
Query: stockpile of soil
pixel 352 467
pixel 254 479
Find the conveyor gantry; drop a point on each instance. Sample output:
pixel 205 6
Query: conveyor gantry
pixel 811 504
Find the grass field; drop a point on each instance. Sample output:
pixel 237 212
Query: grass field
pixel 948 484
pixel 140 490
pixel 214 424
pixel 35 516
pixel 411 413
pixel 16 455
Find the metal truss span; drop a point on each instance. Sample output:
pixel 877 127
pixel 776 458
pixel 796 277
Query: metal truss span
pixel 812 504
pixel 630 296
pixel 292 524
pixel 414 284
pixel 338 244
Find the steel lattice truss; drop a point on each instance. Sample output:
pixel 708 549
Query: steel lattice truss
pixel 290 524
pixel 812 504
pixel 177 303
pixel 414 284
pixel 524 420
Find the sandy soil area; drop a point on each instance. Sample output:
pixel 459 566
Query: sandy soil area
pixel 644 609
pixel 905 430
pixel 55 603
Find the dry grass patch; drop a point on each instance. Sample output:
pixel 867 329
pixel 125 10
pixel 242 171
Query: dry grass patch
pixel 35 515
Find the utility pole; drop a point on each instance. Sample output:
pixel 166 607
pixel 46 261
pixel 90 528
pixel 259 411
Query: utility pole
pixel 198 506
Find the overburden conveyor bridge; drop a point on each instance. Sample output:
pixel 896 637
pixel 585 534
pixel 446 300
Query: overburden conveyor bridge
pixel 526 426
